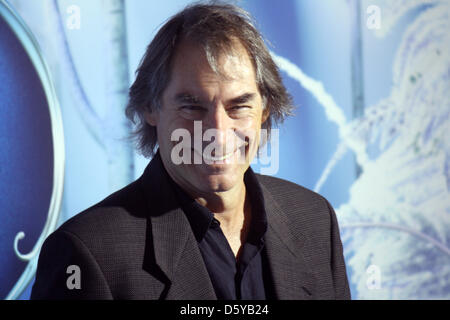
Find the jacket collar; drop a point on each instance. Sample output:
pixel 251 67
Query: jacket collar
pixel 170 243
pixel 172 247
pixel 292 278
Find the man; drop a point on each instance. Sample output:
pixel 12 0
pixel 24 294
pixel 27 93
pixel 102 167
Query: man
pixel 197 224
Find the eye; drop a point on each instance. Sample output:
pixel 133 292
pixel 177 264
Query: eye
pixel 237 108
pixel 192 108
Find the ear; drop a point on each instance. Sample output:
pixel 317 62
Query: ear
pixel 265 115
pixel 151 117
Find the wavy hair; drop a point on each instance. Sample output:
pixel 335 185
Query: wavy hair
pixel 214 26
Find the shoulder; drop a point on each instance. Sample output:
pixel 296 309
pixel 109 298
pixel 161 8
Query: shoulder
pixel 304 208
pixel 284 191
pixel 119 217
pixel 108 242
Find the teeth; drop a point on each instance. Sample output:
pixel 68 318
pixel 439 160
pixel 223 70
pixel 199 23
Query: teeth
pixel 219 158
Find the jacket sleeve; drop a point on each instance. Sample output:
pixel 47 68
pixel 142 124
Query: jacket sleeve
pixel 67 270
pixel 340 281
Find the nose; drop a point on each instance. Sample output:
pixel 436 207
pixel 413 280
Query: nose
pixel 220 123
pixel 217 118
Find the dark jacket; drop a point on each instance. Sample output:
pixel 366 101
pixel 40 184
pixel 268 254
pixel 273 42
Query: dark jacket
pixel 138 244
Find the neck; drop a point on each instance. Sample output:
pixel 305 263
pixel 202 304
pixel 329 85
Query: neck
pixel 228 207
pixel 233 210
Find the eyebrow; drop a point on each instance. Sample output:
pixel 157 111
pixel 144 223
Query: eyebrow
pixel 187 98
pixel 192 99
pixel 244 98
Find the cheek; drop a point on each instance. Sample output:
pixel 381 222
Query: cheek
pixel 170 123
pixel 250 127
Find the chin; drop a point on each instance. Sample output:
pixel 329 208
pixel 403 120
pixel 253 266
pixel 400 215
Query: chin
pixel 218 182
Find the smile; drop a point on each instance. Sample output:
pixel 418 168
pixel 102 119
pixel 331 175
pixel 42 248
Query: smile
pixel 225 157
pixel 210 158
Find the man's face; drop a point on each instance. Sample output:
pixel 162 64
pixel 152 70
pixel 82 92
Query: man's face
pixel 227 104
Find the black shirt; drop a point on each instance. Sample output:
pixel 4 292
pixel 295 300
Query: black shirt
pixel 247 279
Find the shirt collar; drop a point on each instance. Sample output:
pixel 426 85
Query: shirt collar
pixel 200 217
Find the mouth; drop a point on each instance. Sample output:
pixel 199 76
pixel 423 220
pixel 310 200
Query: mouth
pixel 220 158
pixel 224 158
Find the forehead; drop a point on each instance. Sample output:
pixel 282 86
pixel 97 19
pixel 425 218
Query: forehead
pixel 191 64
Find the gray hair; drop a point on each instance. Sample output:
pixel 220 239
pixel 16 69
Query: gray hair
pixel 214 26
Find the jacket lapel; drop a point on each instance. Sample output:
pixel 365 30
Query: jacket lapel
pixel 173 256
pixel 171 245
pixel 178 256
pixel 292 279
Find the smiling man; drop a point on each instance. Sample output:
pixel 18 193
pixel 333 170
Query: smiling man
pixel 199 223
